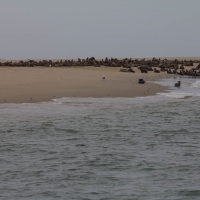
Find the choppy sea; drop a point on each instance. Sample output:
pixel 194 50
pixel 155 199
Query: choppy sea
pixel 103 148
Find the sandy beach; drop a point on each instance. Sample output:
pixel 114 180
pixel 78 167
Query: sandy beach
pixel 40 84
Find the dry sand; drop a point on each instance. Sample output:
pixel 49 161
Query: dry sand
pixel 40 84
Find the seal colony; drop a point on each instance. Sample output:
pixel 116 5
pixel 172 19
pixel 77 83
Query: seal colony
pixel 127 65
pixel 43 80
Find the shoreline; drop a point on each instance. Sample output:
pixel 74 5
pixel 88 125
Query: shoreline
pixel 40 84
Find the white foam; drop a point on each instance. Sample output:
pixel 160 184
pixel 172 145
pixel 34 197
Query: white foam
pixel 110 101
pixel 196 84
pixel 177 95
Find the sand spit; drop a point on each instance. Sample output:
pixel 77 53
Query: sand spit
pixel 39 84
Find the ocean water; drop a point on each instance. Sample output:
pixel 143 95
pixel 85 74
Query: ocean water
pixel 107 148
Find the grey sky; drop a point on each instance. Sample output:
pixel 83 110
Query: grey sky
pixel 48 29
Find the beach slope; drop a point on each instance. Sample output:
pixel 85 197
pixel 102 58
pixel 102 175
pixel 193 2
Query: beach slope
pixel 40 84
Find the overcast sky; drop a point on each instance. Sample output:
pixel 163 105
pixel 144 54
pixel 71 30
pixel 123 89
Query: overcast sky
pixel 55 29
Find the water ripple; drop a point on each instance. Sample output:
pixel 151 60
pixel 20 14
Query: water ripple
pixel 120 149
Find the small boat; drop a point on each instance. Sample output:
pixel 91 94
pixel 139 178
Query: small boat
pixel 141 81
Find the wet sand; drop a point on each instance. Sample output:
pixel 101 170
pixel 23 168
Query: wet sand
pixel 41 84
